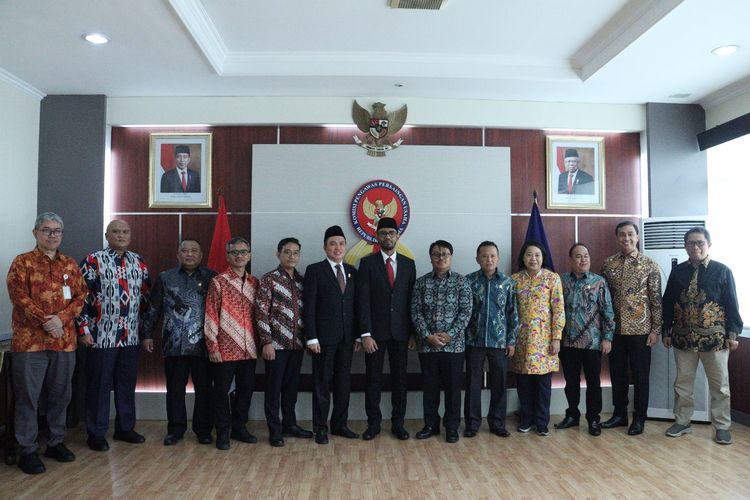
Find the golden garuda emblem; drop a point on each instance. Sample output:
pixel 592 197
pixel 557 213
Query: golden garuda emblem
pixel 379 127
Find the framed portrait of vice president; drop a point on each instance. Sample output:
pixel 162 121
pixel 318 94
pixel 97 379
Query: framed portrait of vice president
pixel 575 172
pixel 180 170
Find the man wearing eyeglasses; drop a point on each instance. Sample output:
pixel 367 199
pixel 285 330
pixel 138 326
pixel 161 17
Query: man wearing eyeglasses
pixel 441 309
pixel 384 284
pixel 278 315
pixel 47 292
pixel 702 322
pixel 231 343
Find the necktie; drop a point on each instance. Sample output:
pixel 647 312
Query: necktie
pixel 340 278
pixel 570 183
pixel 389 271
pixel 184 182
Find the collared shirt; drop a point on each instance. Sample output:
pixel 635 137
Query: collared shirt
pixel 118 289
pixel 181 298
pixel 441 305
pixel 589 317
pixel 635 284
pixel 229 322
pixel 278 310
pixel 700 306
pixel 494 318
pixel 36 289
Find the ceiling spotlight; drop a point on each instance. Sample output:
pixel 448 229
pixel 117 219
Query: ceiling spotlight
pixel 725 50
pixel 96 38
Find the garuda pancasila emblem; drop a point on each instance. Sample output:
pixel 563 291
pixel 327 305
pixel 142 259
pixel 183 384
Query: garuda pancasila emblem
pixel 379 127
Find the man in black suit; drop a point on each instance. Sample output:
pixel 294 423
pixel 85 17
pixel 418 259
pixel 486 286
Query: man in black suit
pixel 328 294
pixel 181 179
pixel 384 283
pixel 574 180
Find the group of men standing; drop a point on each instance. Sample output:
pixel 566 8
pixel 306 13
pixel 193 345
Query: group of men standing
pixel 214 327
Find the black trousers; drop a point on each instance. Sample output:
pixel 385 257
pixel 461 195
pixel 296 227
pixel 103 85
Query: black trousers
pixel 630 351
pixel 398 354
pixel 282 385
pixel 498 365
pixel 534 393
pixel 446 369
pixel 572 361
pixel 177 370
pixel 243 374
pixel 106 369
pixel 331 369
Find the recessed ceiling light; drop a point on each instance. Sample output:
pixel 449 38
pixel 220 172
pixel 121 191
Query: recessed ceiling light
pixel 725 50
pixel 96 38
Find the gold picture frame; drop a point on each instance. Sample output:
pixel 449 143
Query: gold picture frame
pixel 180 170
pixel 575 172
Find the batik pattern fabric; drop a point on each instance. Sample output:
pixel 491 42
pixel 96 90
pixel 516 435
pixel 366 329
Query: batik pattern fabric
pixel 230 306
pixel 441 304
pixel 541 315
pixel 589 317
pixel 278 310
pixel 118 292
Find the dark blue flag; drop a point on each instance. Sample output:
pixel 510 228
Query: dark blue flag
pixel 535 232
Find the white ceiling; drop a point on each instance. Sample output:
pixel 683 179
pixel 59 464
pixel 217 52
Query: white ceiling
pixel 613 51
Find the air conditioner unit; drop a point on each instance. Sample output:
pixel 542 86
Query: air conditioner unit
pixel 662 239
pixel 417 4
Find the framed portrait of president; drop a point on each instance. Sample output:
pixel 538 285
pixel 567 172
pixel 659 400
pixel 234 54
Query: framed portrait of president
pixel 575 172
pixel 180 170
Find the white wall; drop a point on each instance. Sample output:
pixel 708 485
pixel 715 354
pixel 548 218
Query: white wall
pixel 19 150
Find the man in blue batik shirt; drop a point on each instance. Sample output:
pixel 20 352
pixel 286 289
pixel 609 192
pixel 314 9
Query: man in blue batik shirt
pixel 492 335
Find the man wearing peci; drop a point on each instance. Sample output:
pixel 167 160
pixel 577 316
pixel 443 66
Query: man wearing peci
pixel 574 180
pixel 181 179
pixel 384 284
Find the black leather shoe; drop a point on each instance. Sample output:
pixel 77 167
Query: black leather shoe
pixel 297 431
pixel 60 453
pixel 615 421
pixel 451 436
pixel 370 433
pixel 321 437
pixel 595 428
pixel 131 437
pixel 222 441
pixel 567 422
pixel 426 432
pixel 469 433
pixel 30 464
pixel 276 441
pixel 503 433
pixel 636 427
pixel 97 443
pixel 400 432
pixel 171 439
pixel 345 432
pixel 205 439
pixel 243 435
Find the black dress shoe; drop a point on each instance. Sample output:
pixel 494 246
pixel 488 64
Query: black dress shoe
pixel 30 464
pixel 131 437
pixel 171 439
pixel 276 441
pixel 222 441
pixel 400 432
pixel 636 427
pixel 60 453
pixel 345 432
pixel 503 433
pixel 243 435
pixel 97 443
pixel 469 433
pixel 370 433
pixel 595 428
pixel 615 421
pixel 567 422
pixel 427 431
pixel 296 431
pixel 451 436
pixel 205 439
pixel 321 437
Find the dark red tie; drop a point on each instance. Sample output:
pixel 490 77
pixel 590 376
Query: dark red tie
pixel 389 271
pixel 340 278
pixel 184 181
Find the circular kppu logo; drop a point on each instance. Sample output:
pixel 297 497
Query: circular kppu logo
pixel 375 200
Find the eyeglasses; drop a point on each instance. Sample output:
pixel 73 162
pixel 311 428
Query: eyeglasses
pixel 238 253
pixel 388 234
pixel 50 232
pixel 699 243
pixel 290 253
pixel 441 255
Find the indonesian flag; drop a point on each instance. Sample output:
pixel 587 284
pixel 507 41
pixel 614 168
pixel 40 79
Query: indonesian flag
pixel 217 257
